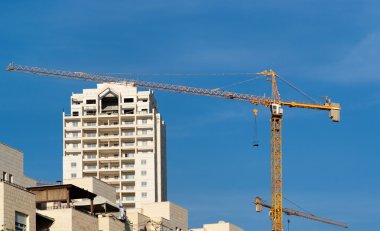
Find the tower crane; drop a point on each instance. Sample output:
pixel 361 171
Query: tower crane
pixel 274 103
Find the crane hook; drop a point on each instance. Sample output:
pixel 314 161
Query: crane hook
pixel 255 141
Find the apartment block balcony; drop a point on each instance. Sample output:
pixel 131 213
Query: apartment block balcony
pixel 128 156
pixel 127 134
pixel 90 147
pixel 72 149
pixel 109 158
pixel 109 169
pixel 127 188
pixel 143 135
pixel 90 170
pixel 127 178
pixel 128 123
pixel 108 146
pixel 128 199
pixel 73 128
pixel 89 124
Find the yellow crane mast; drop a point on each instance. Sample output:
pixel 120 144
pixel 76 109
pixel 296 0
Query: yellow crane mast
pixel 274 103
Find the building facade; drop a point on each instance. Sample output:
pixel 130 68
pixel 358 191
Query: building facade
pixel 12 167
pixel 163 216
pixel 17 208
pixel 115 133
pixel 17 205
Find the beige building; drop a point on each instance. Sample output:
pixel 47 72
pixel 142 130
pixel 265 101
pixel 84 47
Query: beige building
pixel 17 208
pixel 163 216
pixel 12 167
pixel 17 205
pixel 72 208
pixel 220 226
pixel 94 185
pixel 115 133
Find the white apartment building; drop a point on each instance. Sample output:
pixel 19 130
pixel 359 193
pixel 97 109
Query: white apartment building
pixel 220 226
pixel 115 133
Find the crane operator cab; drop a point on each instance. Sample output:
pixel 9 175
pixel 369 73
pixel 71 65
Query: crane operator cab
pixel 276 109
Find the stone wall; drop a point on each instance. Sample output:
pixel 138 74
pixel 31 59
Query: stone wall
pixel 14 198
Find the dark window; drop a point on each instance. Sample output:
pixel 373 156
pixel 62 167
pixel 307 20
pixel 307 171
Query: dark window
pixel 20 221
pixel 128 100
pixel 91 101
pixel 91 112
pixel 128 111
pixel 75 113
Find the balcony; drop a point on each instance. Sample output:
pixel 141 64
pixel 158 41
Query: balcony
pixel 90 168
pixel 127 187
pixel 128 144
pixel 127 134
pixel 128 198
pixel 90 146
pixel 127 177
pixel 90 124
pixel 108 169
pixel 128 123
pixel 128 166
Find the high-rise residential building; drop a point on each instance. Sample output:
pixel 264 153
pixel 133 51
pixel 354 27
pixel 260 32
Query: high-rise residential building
pixel 115 133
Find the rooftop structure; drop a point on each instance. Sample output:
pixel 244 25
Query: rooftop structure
pixel 220 226
pixel 158 216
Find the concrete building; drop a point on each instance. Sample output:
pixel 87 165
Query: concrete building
pixel 17 207
pixel 220 226
pixel 164 216
pixel 72 208
pixel 115 133
pixel 12 167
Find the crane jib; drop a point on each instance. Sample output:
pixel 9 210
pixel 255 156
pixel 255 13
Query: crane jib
pixel 254 99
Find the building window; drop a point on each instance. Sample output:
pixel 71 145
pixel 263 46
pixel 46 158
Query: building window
pixel 75 134
pixel 106 177
pixel 129 111
pixel 75 113
pixel 73 164
pixel 5 176
pixel 11 178
pixel 144 143
pixel 144 121
pixel 91 112
pixel 73 175
pixel 91 101
pixel 144 184
pixel 144 194
pixel 21 221
pixel 143 173
pixel 128 100
pixel 143 162
pixel 75 124
pixel 75 145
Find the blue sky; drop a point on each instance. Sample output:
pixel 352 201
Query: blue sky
pixel 325 47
